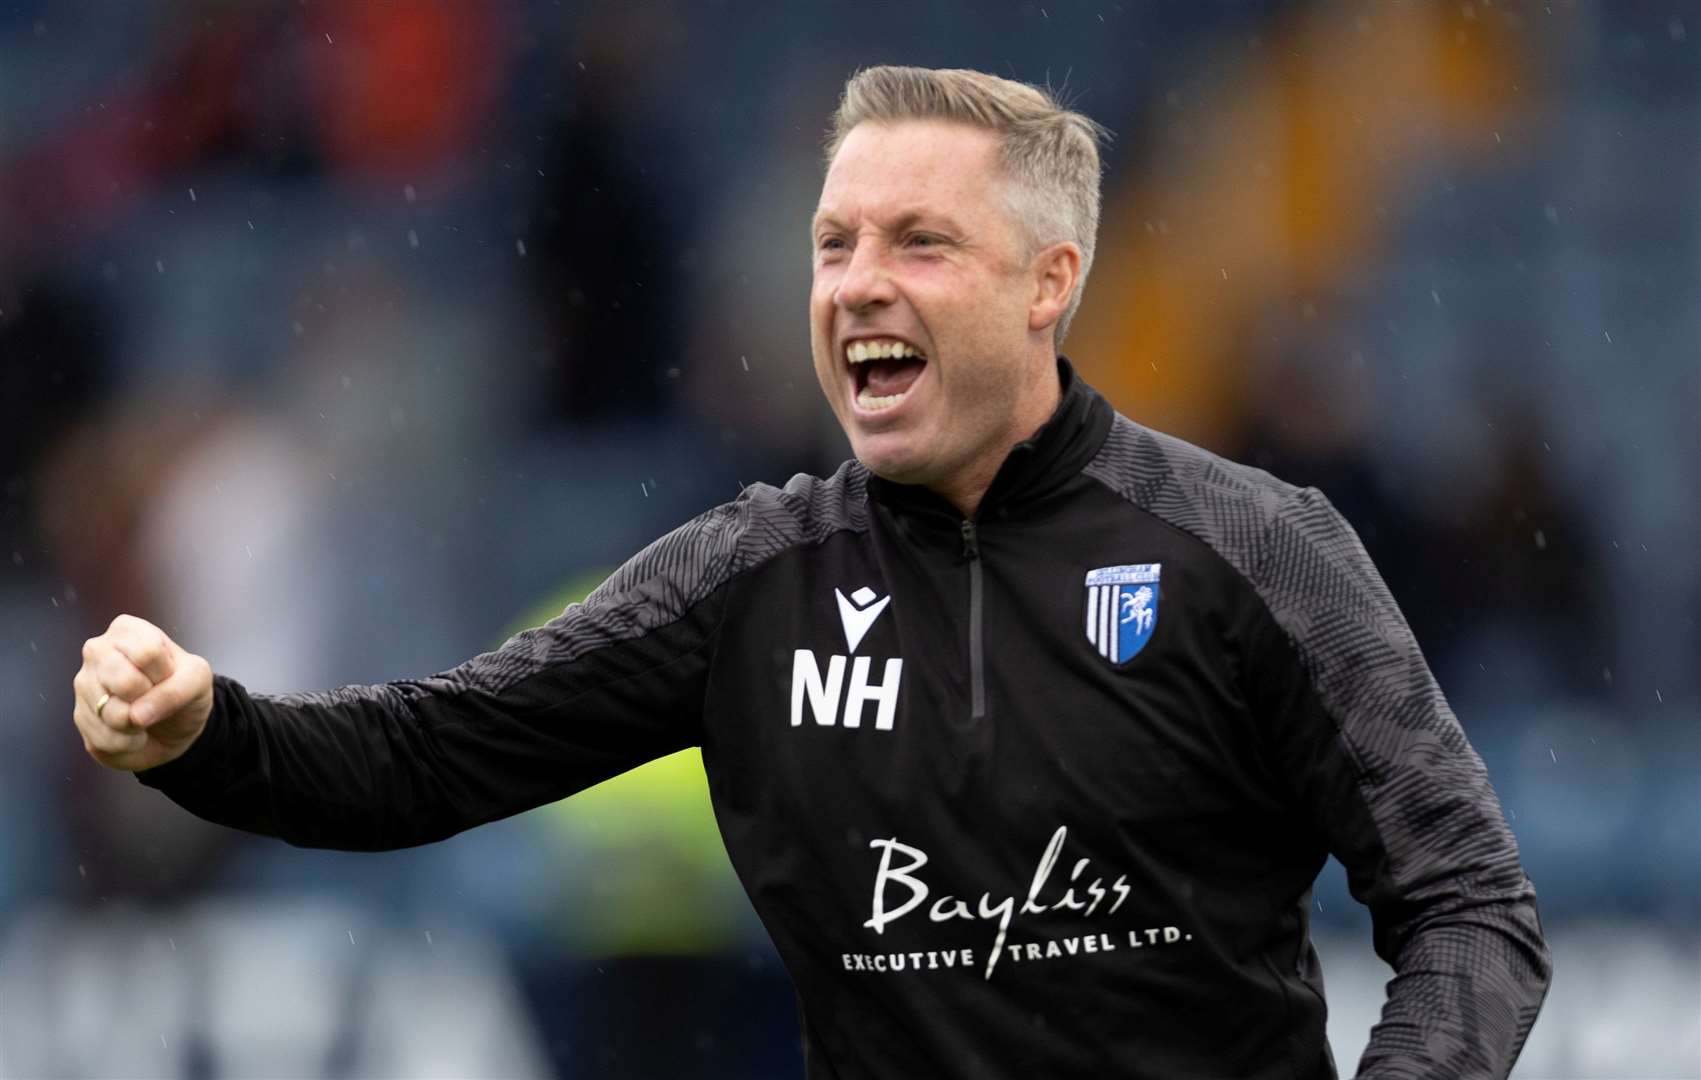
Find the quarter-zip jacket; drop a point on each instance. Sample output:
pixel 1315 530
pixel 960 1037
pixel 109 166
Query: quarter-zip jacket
pixel 1037 794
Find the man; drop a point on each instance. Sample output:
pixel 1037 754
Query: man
pixel 1028 731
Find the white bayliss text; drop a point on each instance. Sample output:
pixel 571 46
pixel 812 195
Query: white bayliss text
pixel 903 875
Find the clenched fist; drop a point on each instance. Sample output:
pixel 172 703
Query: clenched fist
pixel 140 699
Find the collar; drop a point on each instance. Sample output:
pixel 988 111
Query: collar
pixel 1036 467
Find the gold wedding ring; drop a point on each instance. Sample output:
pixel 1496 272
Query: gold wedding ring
pixel 101 704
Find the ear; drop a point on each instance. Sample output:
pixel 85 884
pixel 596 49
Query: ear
pixel 1055 271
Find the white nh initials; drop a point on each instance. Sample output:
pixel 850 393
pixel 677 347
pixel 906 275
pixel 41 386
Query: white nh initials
pixel 823 694
pixel 857 614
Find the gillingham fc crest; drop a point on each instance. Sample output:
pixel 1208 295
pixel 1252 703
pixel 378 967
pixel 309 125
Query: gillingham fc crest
pixel 1122 609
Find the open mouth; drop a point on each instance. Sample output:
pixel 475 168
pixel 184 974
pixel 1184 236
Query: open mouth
pixel 884 369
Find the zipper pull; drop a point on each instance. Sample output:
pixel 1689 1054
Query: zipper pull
pixel 971 547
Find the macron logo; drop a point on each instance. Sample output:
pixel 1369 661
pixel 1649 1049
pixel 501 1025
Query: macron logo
pixel 823 693
pixel 858 613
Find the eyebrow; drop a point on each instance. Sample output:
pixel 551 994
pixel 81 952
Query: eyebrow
pixel 906 219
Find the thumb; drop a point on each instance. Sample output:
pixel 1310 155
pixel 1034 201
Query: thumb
pixel 191 678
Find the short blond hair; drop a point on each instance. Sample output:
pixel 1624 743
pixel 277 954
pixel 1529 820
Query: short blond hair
pixel 1049 153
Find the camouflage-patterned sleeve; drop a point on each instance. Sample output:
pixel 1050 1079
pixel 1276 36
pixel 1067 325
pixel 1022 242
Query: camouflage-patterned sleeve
pixel 1387 776
pixel 605 686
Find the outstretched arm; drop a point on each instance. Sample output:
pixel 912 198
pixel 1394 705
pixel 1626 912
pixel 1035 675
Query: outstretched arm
pixel 607 685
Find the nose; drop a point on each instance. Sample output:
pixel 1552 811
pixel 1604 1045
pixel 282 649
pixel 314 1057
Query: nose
pixel 866 283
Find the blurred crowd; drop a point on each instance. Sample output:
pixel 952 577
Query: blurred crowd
pixel 343 340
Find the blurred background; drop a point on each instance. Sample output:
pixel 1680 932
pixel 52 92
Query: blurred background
pixel 343 341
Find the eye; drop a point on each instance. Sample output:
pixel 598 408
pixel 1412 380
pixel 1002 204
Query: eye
pixel 830 243
pixel 922 240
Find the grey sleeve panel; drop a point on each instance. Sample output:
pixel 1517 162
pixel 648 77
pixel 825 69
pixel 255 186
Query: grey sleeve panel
pixel 653 588
pixel 1420 829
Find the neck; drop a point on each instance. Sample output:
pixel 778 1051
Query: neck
pixel 966 490
pixel 967 495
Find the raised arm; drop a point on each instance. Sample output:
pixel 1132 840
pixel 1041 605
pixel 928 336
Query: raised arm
pixel 1386 774
pixel 605 686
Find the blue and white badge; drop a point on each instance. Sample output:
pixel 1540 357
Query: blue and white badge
pixel 1122 609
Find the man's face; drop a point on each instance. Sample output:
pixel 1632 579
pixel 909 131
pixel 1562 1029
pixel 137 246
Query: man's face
pixel 916 254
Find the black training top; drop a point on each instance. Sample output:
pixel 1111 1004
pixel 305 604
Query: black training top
pixel 1038 794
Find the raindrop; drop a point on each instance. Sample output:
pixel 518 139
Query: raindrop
pixel 428 940
pixel 192 195
pixel 351 937
pixel 1658 698
pixel 413 239
pixel 1553 755
pixel 328 40
pixel 1541 540
pixel 644 488
pixel 81 871
pixel 745 361
pixel 162 1041
pixel 409 193
pixel 1436 296
pixel 250 226
pixel 1551 212
pixel 520 246
pixel 159 264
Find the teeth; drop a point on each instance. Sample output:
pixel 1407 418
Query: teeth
pixel 873 403
pixel 861 351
